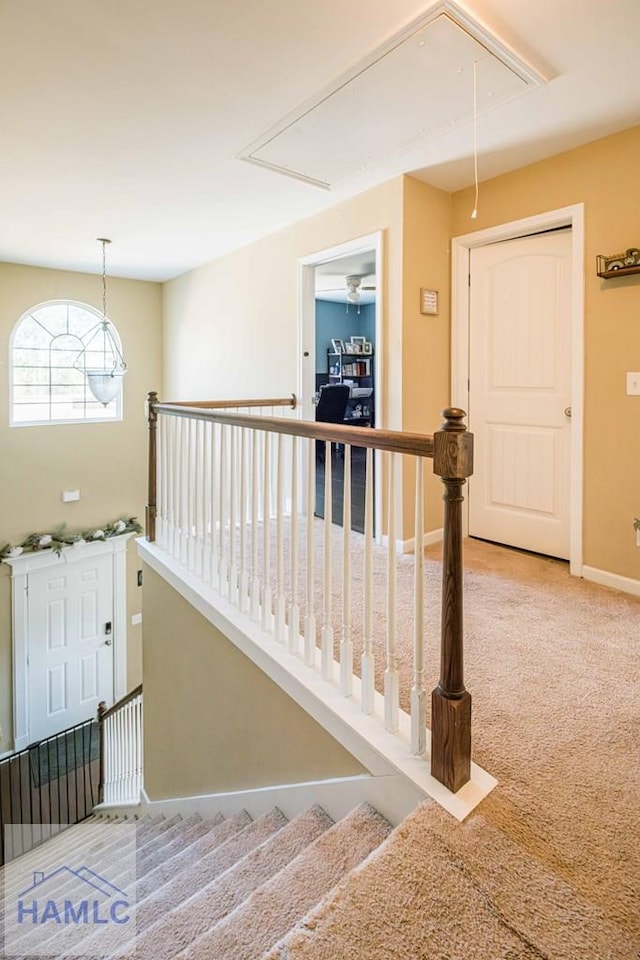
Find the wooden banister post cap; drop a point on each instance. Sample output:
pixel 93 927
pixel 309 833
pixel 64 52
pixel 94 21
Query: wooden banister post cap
pixel 453 420
pixel 102 708
pixel 453 447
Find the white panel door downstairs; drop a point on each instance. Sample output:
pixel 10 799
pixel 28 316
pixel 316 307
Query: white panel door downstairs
pixel 70 651
pixel 520 391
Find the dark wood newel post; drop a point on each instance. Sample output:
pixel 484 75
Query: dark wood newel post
pixel 450 702
pixel 150 518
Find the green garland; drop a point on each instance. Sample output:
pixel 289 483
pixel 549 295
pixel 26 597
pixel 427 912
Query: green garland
pixel 58 538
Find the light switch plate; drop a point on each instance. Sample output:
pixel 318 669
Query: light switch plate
pixel 68 496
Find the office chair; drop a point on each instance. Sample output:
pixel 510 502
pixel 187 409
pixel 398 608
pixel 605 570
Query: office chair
pixel 331 408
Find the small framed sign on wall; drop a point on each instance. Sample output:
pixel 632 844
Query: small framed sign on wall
pixel 428 300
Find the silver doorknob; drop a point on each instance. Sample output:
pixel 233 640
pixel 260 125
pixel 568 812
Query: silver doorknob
pixel 107 642
pixel 567 412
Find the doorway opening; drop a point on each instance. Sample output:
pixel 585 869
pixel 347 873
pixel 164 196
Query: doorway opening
pixel 339 377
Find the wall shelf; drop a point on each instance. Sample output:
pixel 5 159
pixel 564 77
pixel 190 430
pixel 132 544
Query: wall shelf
pixel 622 265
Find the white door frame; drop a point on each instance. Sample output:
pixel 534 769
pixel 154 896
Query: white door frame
pixel 572 216
pixel 307 333
pixel 21 568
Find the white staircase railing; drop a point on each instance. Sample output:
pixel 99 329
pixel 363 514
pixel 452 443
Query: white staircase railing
pixel 227 501
pixel 121 749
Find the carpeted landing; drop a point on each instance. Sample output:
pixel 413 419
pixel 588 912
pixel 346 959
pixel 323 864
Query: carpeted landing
pixel 273 889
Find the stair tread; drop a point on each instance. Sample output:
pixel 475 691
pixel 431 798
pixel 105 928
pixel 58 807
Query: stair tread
pixel 168 872
pixel 193 917
pixel 446 908
pixel 270 910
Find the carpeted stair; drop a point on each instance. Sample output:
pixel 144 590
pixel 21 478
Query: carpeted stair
pixel 310 889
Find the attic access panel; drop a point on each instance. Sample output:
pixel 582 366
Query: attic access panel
pixel 417 86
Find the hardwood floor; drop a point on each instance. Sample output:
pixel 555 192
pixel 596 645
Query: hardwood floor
pixel 358 478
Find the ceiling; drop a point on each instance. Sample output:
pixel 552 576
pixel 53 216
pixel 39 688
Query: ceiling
pixel 330 277
pixel 127 119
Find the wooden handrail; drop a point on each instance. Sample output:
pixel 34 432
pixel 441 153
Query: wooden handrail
pixel 290 401
pixel 395 441
pixel 104 712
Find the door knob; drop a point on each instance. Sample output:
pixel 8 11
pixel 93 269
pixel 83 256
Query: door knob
pixel 107 642
pixel 567 412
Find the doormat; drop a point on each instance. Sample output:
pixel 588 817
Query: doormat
pixel 59 755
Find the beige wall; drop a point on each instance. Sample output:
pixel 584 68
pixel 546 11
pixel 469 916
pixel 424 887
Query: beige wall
pixel 213 720
pixel 105 461
pixel 231 326
pixel 426 230
pixel 604 176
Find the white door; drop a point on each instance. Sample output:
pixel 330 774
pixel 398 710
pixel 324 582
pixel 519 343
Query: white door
pixel 70 650
pixel 520 391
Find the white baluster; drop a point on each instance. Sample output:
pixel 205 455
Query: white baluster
pixel 215 487
pixel 161 482
pixel 201 540
pixel 177 491
pixel 267 612
pixel 233 500
pixel 294 609
pixel 391 677
pixel 190 484
pixel 310 617
pixel 222 477
pixel 280 597
pixel 255 579
pixel 418 691
pixel 243 587
pixel 206 507
pixel 346 644
pixel 368 662
pixel 326 641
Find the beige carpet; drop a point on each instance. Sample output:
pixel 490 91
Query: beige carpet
pixel 552 663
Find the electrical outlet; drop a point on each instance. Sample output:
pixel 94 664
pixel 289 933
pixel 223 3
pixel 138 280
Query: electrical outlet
pixel 136 619
pixel 633 384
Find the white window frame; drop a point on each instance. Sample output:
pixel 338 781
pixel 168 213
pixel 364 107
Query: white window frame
pixel 53 423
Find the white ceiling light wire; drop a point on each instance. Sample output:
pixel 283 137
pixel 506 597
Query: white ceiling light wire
pixel 474 212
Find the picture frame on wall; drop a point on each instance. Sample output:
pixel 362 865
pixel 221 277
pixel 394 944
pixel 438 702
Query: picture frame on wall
pixel 337 346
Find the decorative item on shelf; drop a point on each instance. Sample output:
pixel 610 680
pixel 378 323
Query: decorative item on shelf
pixel 367 347
pixel 619 265
pixel 358 343
pixel 100 358
pixel 350 348
pixel 337 345
pixel 58 539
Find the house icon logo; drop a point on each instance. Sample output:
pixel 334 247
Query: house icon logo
pixel 67 897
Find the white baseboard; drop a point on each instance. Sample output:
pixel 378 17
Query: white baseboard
pixel 391 795
pixel 407 546
pixel 613 580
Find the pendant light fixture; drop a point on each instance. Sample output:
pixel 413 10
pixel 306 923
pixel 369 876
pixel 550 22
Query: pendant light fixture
pixel 104 365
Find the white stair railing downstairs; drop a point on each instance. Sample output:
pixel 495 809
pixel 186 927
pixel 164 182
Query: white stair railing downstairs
pixel 121 764
pixel 225 502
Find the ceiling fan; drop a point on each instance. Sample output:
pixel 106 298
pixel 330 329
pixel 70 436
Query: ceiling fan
pixel 355 286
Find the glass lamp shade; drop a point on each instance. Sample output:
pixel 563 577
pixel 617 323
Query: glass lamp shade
pixel 105 385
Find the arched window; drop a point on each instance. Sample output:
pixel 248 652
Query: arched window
pixel 50 348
